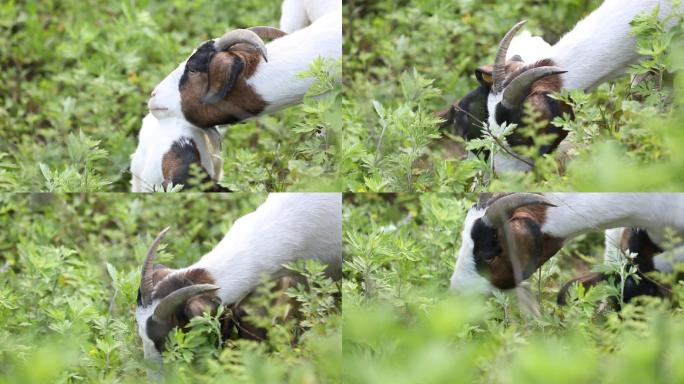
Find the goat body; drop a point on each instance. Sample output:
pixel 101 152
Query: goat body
pixel 598 49
pixel 287 227
pixel 531 228
pixel 227 84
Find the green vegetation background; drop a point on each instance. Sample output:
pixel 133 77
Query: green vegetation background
pixel 405 60
pixel 401 325
pixel 69 275
pixel 76 75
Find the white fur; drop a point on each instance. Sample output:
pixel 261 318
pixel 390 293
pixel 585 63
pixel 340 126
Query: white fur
pixel 156 138
pixel 287 227
pixel 297 14
pixel 600 47
pixel 577 213
pixel 465 276
pixel 276 81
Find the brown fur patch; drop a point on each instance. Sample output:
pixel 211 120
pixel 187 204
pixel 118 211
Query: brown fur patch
pixel 177 159
pixel 179 280
pixel 176 164
pixel 240 103
pixel 159 273
pixel 525 242
pixel 547 108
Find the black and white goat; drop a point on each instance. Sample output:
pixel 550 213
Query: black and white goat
pixel 287 227
pixel 237 76
pixel 600 48
pixel 648 257
pixel 507 237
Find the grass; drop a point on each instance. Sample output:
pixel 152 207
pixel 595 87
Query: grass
pixel 401 324
pixel 70 274
pixel 75 81
pixel 406 60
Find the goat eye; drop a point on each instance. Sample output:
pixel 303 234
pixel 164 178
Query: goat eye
pixel 489 258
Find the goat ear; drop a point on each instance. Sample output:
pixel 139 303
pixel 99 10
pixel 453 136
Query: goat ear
pixel 484 75
pixel 224 71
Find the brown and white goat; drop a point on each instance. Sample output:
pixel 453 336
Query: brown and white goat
pixel 287 227
pixel 237 76
pixel 600 48
pixel 507 237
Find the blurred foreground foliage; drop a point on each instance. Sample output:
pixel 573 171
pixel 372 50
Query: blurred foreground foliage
pixel 401 325
pixel 70 270
pixel 406 60
pixel 75 80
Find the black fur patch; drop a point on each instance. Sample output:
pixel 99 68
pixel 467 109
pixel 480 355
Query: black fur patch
pixel 640 243
pixel 186 153
pixel 471 112
pixel 505 115
pixel 199 61
pixel 485 244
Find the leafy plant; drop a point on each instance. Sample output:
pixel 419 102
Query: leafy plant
pixel 406 60
pixel 70 271
pixel 402 325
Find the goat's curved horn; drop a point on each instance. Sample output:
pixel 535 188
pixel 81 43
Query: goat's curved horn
pixel 500 211
pixel 266 32
pixel 499 72
pixel 238 36
pixel 518 89
pixel 168 305
pixel 146 281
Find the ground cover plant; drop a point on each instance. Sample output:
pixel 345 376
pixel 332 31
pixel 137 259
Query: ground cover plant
pixel 402 326
pixel 70 271
pixel 406 60
pixel 76 76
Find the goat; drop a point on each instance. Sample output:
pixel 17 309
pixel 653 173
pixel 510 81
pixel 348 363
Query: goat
pixel 599 49
pixel 507 237
pixel 287 227
pixel 166 150
pixel 647 259
pixel 237 76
